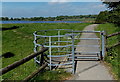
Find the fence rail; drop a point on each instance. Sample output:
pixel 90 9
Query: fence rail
pixel 20 62
pixel 114 34
pixel 111 35
pixel 35 73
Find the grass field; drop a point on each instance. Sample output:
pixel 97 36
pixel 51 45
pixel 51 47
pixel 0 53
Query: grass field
pixel 112 56
pixel 88 20
pixel 19 43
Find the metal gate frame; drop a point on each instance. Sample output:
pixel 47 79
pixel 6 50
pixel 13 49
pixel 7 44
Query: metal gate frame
pixel 72 34
pixel 50 46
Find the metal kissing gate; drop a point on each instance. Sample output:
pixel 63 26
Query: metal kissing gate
pixel 62 45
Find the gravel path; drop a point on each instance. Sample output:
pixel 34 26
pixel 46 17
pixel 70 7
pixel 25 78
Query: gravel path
pixel 90 70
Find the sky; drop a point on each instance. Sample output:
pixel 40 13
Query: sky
pixel 50 9
pixel 50 0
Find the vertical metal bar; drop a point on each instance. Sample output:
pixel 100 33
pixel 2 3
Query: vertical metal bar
pixel 58 41
pixel 67 43
pixel 50 51
pixel 45 38
pixel 35 38
pixel 103 44
pixel 100 46
pixel 73 57
pixel 35 47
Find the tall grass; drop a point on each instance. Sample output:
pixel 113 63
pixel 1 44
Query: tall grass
pixel 112 56
pixel 20 43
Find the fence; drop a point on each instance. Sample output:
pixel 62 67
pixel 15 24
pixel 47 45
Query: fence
pixel 37 53
pixel 62 44
pixel 109 36
pixel 60 47
pixel 24 60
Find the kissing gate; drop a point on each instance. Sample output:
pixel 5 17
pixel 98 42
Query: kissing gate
pixel 63 43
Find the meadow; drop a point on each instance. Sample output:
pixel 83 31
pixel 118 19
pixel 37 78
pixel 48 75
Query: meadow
pixel 112 55
pixel 17 39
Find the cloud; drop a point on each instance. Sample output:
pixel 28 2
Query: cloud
pixel 59 0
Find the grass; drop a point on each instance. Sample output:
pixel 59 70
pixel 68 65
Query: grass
pixel 112 56
pixel 52 75
pixel 20 43
pixel 88 20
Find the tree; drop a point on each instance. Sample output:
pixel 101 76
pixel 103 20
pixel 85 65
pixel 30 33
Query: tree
pixel 11 18
pixel 114 12
pixel 102 17
pixel 5 18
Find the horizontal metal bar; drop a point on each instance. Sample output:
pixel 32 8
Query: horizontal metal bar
pixel 54 30
pixel 58 41
pixel 53 46
pixel 88 45
pixel 62 51
pixel 86 57
pixel 61 41
pixel 61 64
pixel 86 38
pixel 59 55
pixel 86 31
pixel 55 61
pixel 87 52
pixel 52 36
pixel 37 61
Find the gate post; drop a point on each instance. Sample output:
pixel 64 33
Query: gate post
pixel 73 57
pixel 103 44
pixel 35 47
pixel 50 52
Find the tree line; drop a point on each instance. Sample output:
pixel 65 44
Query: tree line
pixel 112 15
pixel 57 18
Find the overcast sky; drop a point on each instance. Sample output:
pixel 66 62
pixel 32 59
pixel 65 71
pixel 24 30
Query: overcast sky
pixel 51 8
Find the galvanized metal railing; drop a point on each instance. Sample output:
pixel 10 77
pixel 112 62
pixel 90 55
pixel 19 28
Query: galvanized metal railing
pixel 101 39
pixel 64 42
pixel 59 46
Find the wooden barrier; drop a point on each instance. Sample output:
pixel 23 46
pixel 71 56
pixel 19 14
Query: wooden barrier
pixel 114 34
pixel 111 35
pixel 108 48
pixel 20 62
pixel 35 73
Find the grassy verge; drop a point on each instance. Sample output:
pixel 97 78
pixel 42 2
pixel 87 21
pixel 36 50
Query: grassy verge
pixel 53 75
pixel 112 56
pixel 19 43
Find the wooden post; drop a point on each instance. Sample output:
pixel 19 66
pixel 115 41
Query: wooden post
pixel 42 57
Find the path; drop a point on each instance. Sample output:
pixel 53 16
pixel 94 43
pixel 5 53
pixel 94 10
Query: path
pixel 90 70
